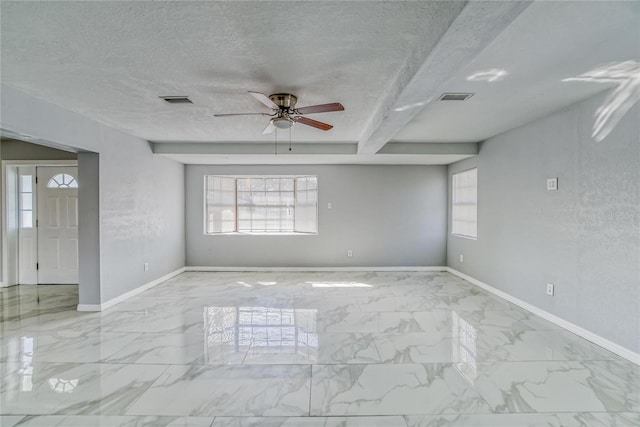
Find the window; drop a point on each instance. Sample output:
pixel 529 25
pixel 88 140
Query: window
pixel 62 180
pixel 464 204
pixel 25 203
pixel 261 204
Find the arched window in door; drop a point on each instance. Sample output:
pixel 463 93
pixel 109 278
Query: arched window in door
pixel 62 180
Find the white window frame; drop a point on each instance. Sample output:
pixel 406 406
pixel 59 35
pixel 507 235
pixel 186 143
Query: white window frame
pixel 235 231
pixel 28 195
pixel 469 200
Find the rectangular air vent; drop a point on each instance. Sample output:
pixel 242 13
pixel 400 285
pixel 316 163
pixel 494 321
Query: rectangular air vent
pixel 177 99
pixel 455 96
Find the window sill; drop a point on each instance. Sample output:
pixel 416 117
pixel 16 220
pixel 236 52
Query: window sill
pixel 464 237
pixel 261 234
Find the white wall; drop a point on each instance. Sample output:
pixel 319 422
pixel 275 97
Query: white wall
pixel 584 238
pixel 141 204
pixel 387 215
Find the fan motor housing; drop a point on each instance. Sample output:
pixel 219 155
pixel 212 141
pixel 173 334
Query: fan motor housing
pixel 284 100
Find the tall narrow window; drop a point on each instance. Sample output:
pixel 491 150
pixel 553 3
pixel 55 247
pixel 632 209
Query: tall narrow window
pixel 25 203
pixel 261 204
pixel 306 204
pixel 221 204
pixel 464 204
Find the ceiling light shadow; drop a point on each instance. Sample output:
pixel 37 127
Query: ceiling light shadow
pixel 626 76
pixel 491 76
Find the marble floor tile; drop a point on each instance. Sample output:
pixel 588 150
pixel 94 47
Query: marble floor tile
pixel 316 349
pixel 203 390
pixel 63 346
pixel 472 302
pixel 54 388
pixel 110 421
pixel 594 386
pixel 309 422
pixel 354 349
pixel 416 347
pixel 392 390
pixel 537 346
pixel 169 321
pixel 10 420
pixel 396 303
pixel 579 419
pixel 368 322
pixel 178 349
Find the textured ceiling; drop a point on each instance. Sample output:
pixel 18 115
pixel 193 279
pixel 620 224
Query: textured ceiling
pixel 110 61
pixel 521 75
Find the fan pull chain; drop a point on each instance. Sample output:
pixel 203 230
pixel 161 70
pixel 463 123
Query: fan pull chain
pixel 276 147
pixel 290 139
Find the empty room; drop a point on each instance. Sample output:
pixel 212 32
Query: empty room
pixel 320 213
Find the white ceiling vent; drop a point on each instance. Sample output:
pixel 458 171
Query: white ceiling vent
pixel 177 99
pixel 455 96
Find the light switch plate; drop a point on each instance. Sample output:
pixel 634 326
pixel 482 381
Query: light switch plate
pixel 552 184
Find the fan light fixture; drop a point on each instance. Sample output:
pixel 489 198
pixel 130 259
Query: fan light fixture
pixel 284 112
pixel 282 123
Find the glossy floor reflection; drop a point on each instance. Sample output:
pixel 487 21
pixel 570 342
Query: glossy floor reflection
pixel 302 349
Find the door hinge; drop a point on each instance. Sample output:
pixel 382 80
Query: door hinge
pixel 37 266
pixel 36 179
pixel 37 222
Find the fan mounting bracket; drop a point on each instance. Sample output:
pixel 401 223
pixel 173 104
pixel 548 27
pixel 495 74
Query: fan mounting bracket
pixel 285 101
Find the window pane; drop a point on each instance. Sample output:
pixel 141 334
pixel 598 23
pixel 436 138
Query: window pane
pixel 464 197
pixel 272 184
pixel 26 183
pixel 243 184
pixel 257 184
pixel 26 219
pixel 306 212
pixel 263 204
pixel 220 204
pixel 62 181
pixel 26 201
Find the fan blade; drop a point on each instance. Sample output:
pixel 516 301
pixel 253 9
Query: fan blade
pixel 324 108
pixel 241 114
pixel 312 123
pixel 265 100
pixel 269 129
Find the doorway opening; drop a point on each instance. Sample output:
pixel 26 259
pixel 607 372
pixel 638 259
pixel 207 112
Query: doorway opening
pixel 40 223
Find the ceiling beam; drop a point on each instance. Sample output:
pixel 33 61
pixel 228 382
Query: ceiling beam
pixel 430 148
pixel 249 148
pixel 477 25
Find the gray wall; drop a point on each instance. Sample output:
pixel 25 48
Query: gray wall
pixel 584 238
pixel 141 205
pixel 18 150
pixel 89 227
pixel 388 216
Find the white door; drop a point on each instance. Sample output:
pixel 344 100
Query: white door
pixel 57 225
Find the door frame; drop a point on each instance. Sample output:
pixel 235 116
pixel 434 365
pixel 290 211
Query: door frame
pixel 10 248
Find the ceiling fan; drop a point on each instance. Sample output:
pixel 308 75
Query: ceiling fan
pixel 285 113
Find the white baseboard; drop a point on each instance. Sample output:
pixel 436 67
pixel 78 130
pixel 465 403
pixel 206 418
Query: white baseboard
pixel 127 295
pixel 588 335
pixel 311 269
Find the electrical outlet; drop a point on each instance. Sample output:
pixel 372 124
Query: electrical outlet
pixel 461 258
pixel 552 184
pixel 329 205
pixel 146 266
pixel 349 253
pixel 550 289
